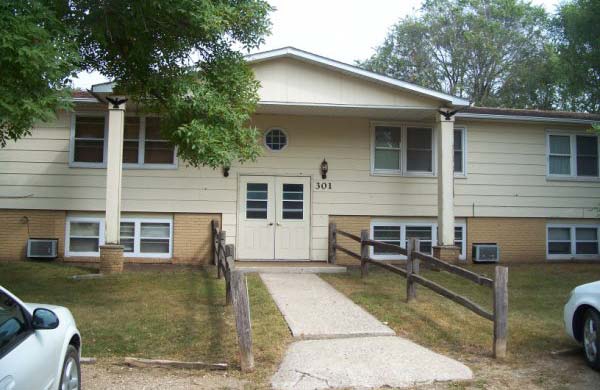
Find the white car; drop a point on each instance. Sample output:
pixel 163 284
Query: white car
pixel 40 346
pixel 582 320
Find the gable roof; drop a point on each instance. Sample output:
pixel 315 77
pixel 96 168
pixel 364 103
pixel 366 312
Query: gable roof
pixel 301 55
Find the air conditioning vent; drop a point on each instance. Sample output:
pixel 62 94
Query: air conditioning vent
pixel 486 253
pixel 42 248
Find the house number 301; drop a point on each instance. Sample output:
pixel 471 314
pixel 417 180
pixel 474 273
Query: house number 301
pixel 321 185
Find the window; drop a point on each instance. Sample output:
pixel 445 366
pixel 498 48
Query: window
pixel 419 149
pixel 157 150
pixel 387 148
pixel 424 234
pixel 257 200
pixel 459 151
pixel 84 236
pixel 409 150
pixel 143 145
pixel 572 155
pixel 13 324
pixel 140 237
pixel 293 201
pixel 389 234
pixel 276 139
pixel 564 241
pixel 398 233
pixel 88 134
pixel 143 237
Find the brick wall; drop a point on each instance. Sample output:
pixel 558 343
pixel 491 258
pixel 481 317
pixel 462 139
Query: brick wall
pixel 192 238
pixel 350 224
pixel 520 239
pixel 16 226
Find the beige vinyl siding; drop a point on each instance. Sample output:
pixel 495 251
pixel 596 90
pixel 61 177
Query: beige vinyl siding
pixel 293 81
pixel 506 177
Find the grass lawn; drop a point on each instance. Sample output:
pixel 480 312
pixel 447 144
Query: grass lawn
pixel 537 294
pixel 175 314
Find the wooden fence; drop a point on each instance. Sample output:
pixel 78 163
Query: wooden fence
pixel 236 292
pixel 499 285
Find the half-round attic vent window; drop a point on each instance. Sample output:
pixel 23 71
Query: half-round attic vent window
pixel 276 139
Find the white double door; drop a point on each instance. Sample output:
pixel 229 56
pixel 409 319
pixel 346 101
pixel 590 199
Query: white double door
pixel 274 218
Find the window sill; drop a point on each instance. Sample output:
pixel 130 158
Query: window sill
pixel 126 166
pixel 424 175
pixel 573 178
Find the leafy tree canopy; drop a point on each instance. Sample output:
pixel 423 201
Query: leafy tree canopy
pixel 488 51
pixel 176 57
pixel 577 31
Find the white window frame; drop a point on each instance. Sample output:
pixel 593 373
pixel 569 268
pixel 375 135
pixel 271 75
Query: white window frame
pixel 463 131
pixel 141 146
pixel 81 164
pixel 68 252
pixel 573 255
pixel 403 225
pixel 402 171
pixel 573 156
pixel 136 241
pixel 137 237
pixel 287 139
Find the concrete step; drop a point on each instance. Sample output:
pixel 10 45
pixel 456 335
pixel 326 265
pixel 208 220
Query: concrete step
pixel 296 269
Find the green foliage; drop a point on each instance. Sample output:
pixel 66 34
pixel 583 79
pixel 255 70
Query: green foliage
pixel 175 57
pixel 37 55
pixel 577 30
pixel 477 49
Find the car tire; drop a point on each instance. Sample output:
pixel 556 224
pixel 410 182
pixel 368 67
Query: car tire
pixel 591 338
pixel 70 378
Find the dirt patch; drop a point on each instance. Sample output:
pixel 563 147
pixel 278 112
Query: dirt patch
pixel 106 375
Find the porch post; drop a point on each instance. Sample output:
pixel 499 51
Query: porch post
pixel 445 249
pixel 111 254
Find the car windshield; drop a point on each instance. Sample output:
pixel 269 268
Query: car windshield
pixel 12 321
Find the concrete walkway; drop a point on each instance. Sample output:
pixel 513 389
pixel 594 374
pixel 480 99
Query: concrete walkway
pixel 347 347
pixel 315 310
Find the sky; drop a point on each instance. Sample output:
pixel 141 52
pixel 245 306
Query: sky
pixel 344 30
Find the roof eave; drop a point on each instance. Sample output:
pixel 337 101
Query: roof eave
pixel 524 118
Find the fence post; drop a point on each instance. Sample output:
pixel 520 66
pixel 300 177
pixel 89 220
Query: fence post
pixel 228 263
pixel 332 242
pixel 214 228
pixel 411 287
pixel 500 311
pixel 241 308
pixel 220 243
pixel 364 253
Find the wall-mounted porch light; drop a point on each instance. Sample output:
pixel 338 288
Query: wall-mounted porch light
pixel 226 171
pixel 324 169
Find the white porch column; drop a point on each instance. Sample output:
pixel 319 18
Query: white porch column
pixel 114 169
pixel 445 172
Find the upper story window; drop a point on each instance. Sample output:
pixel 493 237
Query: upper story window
pixel 143 146
pixel 410 150
pixel 572 155
pixel 276 139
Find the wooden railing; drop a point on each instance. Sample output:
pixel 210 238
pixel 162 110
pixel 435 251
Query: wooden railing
pixel 414 256
pixel 236 292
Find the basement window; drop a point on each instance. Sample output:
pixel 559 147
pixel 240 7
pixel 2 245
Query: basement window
pixel 84 236
pixel 572 241
pixel 143 237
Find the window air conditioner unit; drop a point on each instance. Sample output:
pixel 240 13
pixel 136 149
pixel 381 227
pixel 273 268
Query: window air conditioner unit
pixel 42 248
pixel 486 253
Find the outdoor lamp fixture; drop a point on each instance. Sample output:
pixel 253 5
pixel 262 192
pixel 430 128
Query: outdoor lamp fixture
pixel 226 171
pixel 324 169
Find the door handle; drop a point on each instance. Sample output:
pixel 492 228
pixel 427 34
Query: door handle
pixel 7 383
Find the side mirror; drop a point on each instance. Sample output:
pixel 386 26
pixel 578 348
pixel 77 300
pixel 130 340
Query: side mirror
pixel 44 319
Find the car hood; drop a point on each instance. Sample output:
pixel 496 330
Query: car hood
pixel 593 287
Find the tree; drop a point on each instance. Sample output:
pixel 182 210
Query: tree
pixel 577 31
pixel 493 52
pixel 37 55
pixel 175 57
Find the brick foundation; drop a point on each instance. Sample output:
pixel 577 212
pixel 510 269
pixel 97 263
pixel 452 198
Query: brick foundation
pixel 17 226
pixel 111 259
pixel 447 253
pixel 192 238
pixel 350 224
pixel 520 239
